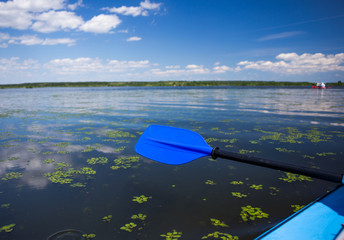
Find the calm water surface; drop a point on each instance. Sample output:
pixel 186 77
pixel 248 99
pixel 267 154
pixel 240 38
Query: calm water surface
pixel 67 159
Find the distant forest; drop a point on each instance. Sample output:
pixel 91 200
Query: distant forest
pixel 161 84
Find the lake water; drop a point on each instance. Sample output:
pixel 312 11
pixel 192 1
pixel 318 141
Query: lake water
pixel 67 159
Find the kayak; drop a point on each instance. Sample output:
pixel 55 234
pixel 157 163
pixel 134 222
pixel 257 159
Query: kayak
pixel 322 219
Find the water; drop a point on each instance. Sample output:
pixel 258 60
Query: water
pixel 55 132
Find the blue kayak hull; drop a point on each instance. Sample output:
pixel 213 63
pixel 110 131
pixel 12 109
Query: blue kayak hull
pixel 322 219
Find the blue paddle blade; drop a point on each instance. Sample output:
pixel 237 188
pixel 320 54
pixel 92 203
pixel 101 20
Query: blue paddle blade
pixel 171 145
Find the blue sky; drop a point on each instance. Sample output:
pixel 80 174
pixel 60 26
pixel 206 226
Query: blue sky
pixel 151 40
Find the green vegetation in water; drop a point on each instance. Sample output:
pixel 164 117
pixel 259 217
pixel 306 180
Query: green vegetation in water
pixel 98 160
pixel 174 235
pixel 245 151
pixel 325 154
pixel 141 199
pixel 124 162
pixel 210 182
pixel 284 150
pixel 251 213
pixel 119 149
pixel 210 140
pixel 62 144
pixel 89 236
pixel 139 216
pixel 128 227
pixel 273 191
pixel 297 207
pixel 12 175
pixel 257 187
pixel 236 182
pixel 293 135
pixel 118 134
pixel 5 205
pixel 107 218
pixel 217 222
pixel 47 161
pixel 220 235
pixel 7 228
pixel 64 175
pixel 78 184
pixel 238 195
pixel 291 177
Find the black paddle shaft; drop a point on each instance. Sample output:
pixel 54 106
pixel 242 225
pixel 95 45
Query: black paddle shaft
pixel 315 173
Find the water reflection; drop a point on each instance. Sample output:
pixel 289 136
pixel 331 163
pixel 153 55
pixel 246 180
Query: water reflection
pixel 43 130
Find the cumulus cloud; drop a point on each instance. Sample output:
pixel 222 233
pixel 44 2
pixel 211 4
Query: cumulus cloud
pixel 53 21
pixel 292 63
pixel 101 24
pixel 20 14
pixel 141 10
pixel 52 16
pixel 133 39
pixel 6 39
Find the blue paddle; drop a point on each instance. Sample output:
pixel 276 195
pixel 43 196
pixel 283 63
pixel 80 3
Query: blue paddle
pixel 176 146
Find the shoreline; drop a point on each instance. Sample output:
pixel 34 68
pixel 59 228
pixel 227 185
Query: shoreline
pixel 161 84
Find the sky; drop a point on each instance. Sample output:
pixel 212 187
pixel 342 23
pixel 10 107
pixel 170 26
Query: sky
pixel 157 40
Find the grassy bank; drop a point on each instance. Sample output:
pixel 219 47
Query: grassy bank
pixel 159 84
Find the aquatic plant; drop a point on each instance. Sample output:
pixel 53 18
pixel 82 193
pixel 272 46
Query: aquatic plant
pixel 78 184
pixel 89 236
pixel 98 160
pixel 325 154
pixel 257 187
pixel 210 182
pixel 217 223
pixel 307 156
pixel 236 182
pixel 88 149
pixel 251 213
pixel 124 162
pixel 220 235
pixel 291 177
pixel 107 218
pixel 118 134
pixel 62 144
pixel 297 207
pixel 141 199
pixel 128 227
pixel 119 149
pixel 238 195
pixel 7 228
pixel 47 161
pixel 174 235
pixel 5 205
pixel 245 151
pixel 12 175
pixel 64 175
pixel 274 191
pixel 284 150
pixel 140 216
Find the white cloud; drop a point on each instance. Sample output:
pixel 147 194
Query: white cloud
pixel 151 6
pixel 132 39
pixel 292 63
pixel 78 65
pixel 75 5
pixel 53 21
pixel 280 36
pixel 141 10
pixel 101 24
pixel 15 64
pixel 6 39
pixel 222 69
pixel 19 14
